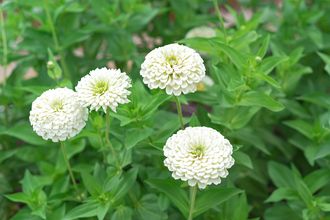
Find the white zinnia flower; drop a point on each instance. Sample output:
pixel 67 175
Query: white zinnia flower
pixel 201 31
pixel 175 67
pixel 199 155
pixel 57 115
pixel 104 88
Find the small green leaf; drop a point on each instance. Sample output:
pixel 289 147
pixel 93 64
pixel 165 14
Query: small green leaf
pixel 254 98
pixel 283 194
pixel 122 213
pixel 87 209
pixel 326 59
pixel 243 159
pixel 281 175
pixel 125 184
pixel 264 46
pixel 301 126
pixel 173 191
pixel 194 121
pixel 91 184
pixel 19 197
pixel 269 64
pixel 268 79
pixel 212 197
pixel 317 179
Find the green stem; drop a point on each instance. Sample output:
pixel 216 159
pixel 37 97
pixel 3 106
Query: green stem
pixel 65 156
pixel 193 192
pixel 107 137
pixel 179 109
pixel 56 41
pixel 4 61
pixel 4 43
pixel 222 23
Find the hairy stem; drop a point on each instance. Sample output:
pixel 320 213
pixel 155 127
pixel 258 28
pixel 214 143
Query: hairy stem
pixel 179 109
pixel 193 192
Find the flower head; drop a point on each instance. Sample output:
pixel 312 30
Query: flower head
pixel 57 115
pixel 173 67
pixel 201 31
pixel 104 88
pixel 199 155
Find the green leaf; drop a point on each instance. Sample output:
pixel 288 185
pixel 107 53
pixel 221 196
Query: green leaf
pixel 243 159
pixel 91 184
pixel 264 46
pixel 87 209
pixel 320 99
pixel 283 194
pixel 173 191
pixel 268 79
pixel 24 132
pixel 280 212
pixel 154 104
pixel 19 197
pixel 194 121
pixel 326 59
pixel 212 197
pixel 254 98
pixel 235 56
pixel 125 184
pixel 122 213
pixel 269 64
pixel 5 154
pixel 136 135
pixel 317 179
pixel 302 127
pixel 149 208
pixel 234 118
pixel 281 175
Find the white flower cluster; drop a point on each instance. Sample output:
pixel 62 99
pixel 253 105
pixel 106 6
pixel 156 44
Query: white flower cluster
pixel 199 155
pixel 57 115
pixel 173 67
pixel 104 88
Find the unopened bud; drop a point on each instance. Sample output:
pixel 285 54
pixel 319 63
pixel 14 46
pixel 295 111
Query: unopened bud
pixel 50 65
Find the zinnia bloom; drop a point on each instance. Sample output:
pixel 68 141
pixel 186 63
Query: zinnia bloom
pixel 201 31
pixel 106 88
pixel 199 155
pixel 174 67
pixel 57 115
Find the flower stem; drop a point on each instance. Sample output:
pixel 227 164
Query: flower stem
pixel 107 137
pixel 56 41
pixel 193 192
pixel 179 109
pixel 216 6
pixel 4 61
pixel 4 44
pixel 65 156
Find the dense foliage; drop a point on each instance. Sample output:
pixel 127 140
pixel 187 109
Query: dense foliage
pixel 269 96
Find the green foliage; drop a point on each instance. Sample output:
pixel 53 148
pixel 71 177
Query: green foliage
pixel 269 96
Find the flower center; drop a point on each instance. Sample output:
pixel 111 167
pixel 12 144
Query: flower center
pixel 57 105
pixel 197 151
pixel 100 88
pixel 172 60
